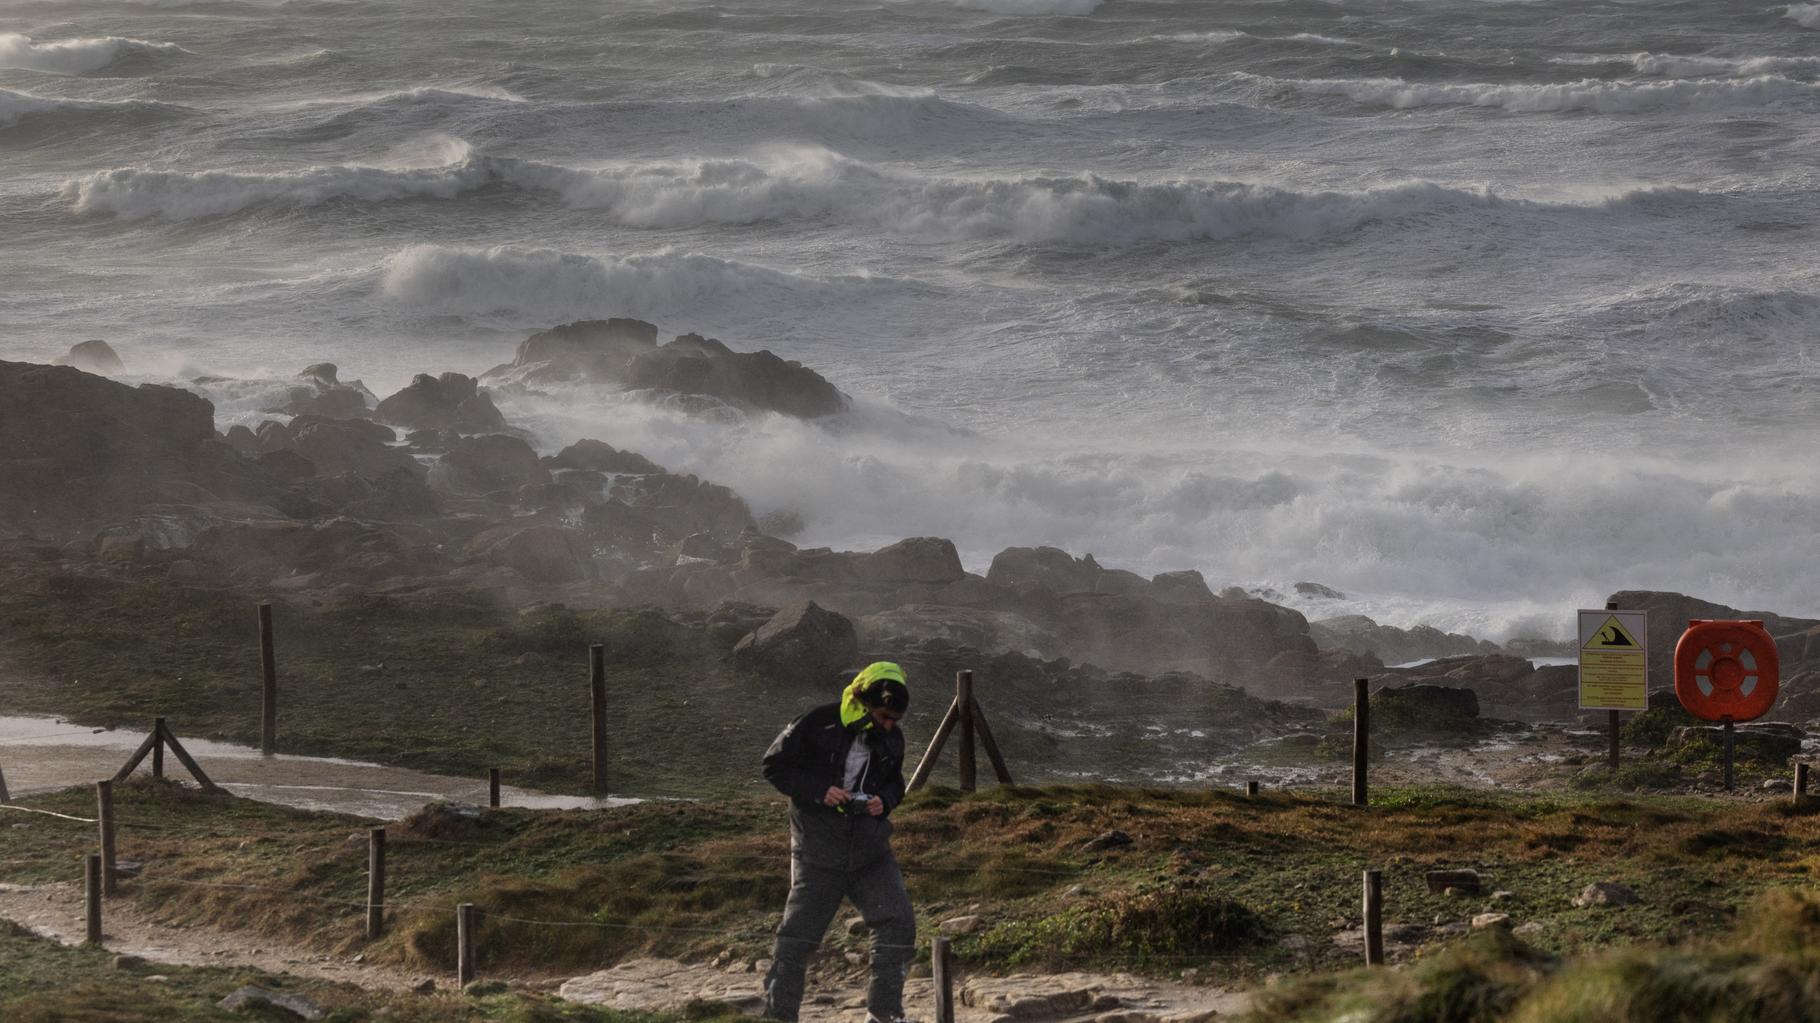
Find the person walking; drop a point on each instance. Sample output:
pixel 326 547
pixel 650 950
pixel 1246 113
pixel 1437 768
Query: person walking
pixel 842 764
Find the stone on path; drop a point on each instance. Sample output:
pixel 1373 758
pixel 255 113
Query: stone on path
pixel 252 996
pixel 1605 893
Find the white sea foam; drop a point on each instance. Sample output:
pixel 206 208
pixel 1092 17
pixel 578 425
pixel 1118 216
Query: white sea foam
pixel 73 56
pixel 1590 95
pixel 16 106
pixel 1805 15
pixel 802 183
pixel 1674 66
pixel 514 283
pixel 1030 8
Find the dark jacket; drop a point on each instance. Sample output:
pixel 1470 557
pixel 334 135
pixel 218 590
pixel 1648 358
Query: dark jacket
pixel 810 755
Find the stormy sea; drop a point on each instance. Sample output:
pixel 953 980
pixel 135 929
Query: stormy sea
pixel 1472 312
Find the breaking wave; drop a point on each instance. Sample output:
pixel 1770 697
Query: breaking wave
pixel 17 106
pixel 1589 95
pixel 802 183
pixel 1805 15
pixel 507 281
pixel 1671 66
pixel 73 56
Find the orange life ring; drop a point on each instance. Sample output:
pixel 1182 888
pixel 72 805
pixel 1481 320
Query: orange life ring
pixel 1726 670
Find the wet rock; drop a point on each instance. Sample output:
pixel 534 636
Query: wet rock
pixel 95 356
pixel 126 962
pixel 802 643
pixel 358 446
pixel 1317 590
pixel 1391 644
pixel 757 380
pixel 1605 893
pixel 596 351
pixel 599 456
pixel 321 393
pixel 1046 570
pixel 1185 587
pixel 452 401
pixel 487 464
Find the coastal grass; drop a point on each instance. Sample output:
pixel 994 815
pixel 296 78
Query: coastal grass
pixel 1240 888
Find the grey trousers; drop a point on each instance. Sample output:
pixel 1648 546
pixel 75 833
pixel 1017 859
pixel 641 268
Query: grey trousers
pixel 877 891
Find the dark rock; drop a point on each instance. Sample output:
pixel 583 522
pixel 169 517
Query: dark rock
pixel 759 380
pixel 322 393
pixel 77 449
pixel 802 643
pixel 358 446
pixel 241 439
pixel 1440 706
pixel 1391 644
pixel 1048 570
pixel 542 554
pixel 1317 590
pixel 95 356
pixel 286 465
pixel 1186 587
pixel 591 350
pixel 487 463
pixel 598 456
pixel 681 505
pixel 920 559
pixel 451 401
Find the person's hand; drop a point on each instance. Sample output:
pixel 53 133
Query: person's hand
pixel 876 807
pixel 835 796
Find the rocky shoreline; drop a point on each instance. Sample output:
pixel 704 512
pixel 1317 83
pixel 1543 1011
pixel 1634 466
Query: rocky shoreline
pixel 431 491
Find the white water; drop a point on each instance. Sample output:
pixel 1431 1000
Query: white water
pixel 1476 312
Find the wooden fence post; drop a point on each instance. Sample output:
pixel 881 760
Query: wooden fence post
pixel 1800 784
pixel 268 663
pixel 941 966
pixel 91 892
pixel 157 747
pixel 5 797
pixel 375 883
pixel 1374 918
pixel 1251 789
pixel 963 698
pixel 493 787
pixel 1361 739
pixel 597 690
pixel 464 944
pixel 104 813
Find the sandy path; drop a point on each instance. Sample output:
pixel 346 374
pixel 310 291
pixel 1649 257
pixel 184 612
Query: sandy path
pixel 56 911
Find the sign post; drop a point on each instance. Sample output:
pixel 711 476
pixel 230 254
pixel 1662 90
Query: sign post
pixel 1614 664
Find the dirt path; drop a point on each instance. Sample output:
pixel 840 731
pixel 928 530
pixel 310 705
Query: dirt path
pixel 837 995
pixel 835 992
pixel 56 912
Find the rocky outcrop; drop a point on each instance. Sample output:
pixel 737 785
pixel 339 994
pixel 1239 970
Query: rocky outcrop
pixel 1669 614
pixel 920 559
pixel 487 464
pixel 1047 570
pixel 803 643
pixel 95 356
pixel 76 448
pixel 625 353
pixel 321 393
pixel 542 554
pixel 333 446
pixel 451 401
pixel 601 457
pixel 1390 644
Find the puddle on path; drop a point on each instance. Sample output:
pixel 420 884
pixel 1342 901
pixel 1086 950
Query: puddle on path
pixel 41 753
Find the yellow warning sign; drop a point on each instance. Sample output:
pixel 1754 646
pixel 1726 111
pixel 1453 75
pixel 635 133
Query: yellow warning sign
pixel 1614 663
